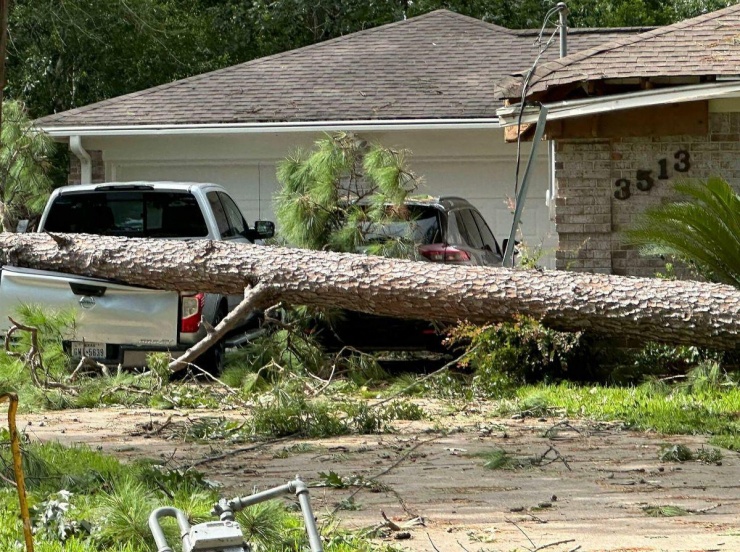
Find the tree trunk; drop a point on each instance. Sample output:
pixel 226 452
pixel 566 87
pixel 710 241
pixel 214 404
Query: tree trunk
pixel 680 312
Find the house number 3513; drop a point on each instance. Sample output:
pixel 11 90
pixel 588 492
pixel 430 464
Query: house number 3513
pixel 644 178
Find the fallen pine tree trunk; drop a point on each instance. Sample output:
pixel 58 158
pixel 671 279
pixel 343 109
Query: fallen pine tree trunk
pixel 680 312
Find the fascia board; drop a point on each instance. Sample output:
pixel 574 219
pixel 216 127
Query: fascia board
pixel 509 116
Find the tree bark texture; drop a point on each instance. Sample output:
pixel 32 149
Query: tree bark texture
pixel 681 312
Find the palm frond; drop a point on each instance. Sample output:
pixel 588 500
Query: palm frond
pixel 703 227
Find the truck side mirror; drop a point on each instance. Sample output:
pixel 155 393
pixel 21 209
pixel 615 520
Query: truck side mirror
pixel 264 229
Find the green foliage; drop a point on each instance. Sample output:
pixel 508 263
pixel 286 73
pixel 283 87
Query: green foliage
pixel 268 526
pixel 506 355
pixel 337 481
pixel 709 455
pixel 664 511
pixel 51 521
pixel 24 166
pixel 676 453
pixel 703 229
pixel 68 54
pixel 403 410
pixel 499 459
pixel 729 442
pixel 108 511
pixel 294 415
pixel 330 198
pixel 298 417
pixel 669 409
pixel 51 466
pixel 662 359
pixel 362 368
pixel 220 429
pixel 188 481
pixel 126 510
pixel 53 327
pixel 682 453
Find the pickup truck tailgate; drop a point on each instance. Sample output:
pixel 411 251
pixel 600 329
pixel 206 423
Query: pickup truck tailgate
pixel 106 312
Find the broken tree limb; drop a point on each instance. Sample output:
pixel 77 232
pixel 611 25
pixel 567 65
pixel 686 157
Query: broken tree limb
pixel 251 302
pixel 681 312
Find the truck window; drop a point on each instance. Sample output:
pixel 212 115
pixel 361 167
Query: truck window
pixel 236 220
pixel 137 214
pixel 219 213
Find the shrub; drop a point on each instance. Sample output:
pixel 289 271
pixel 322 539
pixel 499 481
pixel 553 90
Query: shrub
pixel 506 355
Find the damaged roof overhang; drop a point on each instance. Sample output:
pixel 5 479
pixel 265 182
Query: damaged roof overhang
pixel 726 87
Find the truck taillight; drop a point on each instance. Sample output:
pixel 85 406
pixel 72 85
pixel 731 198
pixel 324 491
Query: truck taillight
pixel 440 253
pixel 192 311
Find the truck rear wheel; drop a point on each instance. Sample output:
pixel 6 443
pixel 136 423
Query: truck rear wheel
pixel 212 361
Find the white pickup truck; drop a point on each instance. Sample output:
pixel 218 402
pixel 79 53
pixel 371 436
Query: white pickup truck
pixel 119 324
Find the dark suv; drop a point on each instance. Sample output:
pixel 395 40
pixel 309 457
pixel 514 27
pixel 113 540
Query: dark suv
pixel 446 230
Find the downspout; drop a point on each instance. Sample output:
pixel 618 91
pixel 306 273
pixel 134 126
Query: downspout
pixel 75 146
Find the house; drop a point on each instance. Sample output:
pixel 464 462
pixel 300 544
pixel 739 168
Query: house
pixel 629 118
pixel 425 84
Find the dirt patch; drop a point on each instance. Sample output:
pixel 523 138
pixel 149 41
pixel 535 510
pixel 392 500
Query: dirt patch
pixel 590 492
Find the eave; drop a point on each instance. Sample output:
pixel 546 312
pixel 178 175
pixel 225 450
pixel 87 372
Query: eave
pixel 728 87
pixel 61 132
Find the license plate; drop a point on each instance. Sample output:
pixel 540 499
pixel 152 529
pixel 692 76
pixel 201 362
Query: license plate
pixel 90 350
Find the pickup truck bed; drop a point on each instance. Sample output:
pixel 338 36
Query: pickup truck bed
pixel 110 313
pixel 119 324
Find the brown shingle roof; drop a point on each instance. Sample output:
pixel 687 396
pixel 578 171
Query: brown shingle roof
pixel 705 46
pixel 439 65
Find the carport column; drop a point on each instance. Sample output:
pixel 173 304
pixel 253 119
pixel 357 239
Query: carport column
pixel 583 205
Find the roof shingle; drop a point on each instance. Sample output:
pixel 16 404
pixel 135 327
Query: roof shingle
pixel 439 65
pixel 705 46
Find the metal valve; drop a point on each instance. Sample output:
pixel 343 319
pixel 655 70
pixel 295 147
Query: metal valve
pixel 226 535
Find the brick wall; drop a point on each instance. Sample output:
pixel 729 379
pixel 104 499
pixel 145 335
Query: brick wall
pixel 98 168
pixel 589 218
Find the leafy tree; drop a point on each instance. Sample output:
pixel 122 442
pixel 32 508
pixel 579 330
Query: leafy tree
pixel 339 196
pixel 703 229
pixel 24 166
pixel 67 54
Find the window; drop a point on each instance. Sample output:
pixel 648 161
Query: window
pixel 470 233
pixel 137 214
pixel 236 220
pixel 219 213
pixel 486 234
pixel 420 225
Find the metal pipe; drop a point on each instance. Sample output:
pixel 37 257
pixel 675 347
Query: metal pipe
pixel 521 197
pixel 563 26
pixel 225 509
pixel 75 146
pixel 158 532
pixel 314 539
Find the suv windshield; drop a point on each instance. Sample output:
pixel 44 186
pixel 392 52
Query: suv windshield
pixel 136 214
pixel 422 227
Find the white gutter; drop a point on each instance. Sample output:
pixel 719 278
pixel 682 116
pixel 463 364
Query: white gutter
pixel 250 128
pixel 75 146
pixel 509 116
